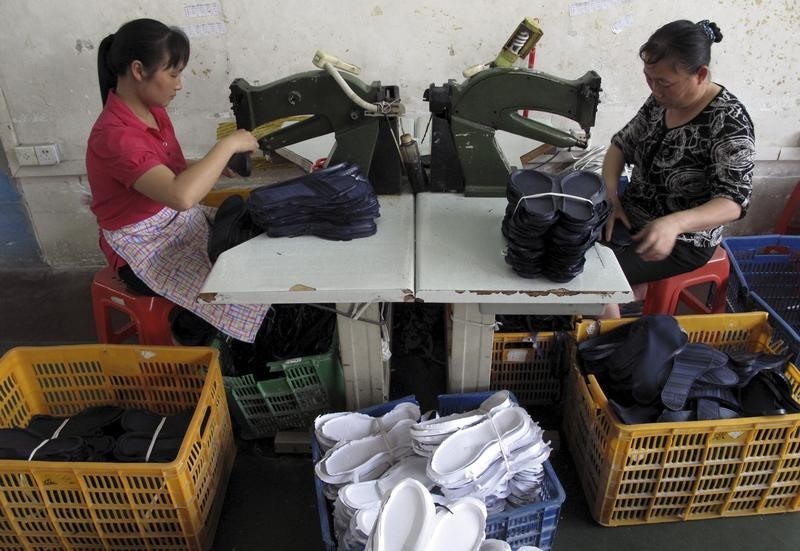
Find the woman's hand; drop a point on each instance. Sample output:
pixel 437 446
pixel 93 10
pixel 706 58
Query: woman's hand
pixel 657 238
pixel 241 141
pixel 618 213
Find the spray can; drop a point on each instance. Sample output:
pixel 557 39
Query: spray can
pixel 411 161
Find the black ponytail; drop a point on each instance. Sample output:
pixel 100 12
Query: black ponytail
pixel 687 44
pixel 149 41
pixel 106 76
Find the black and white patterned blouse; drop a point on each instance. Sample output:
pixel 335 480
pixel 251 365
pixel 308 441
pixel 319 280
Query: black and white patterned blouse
pixel 684 167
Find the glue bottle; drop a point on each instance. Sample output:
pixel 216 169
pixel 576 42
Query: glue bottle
pixel 410 155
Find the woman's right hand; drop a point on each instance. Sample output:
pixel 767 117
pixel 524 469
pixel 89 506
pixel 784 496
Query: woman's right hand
pixel 241 141
pixel 617 213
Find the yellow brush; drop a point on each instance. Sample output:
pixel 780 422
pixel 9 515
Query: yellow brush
pixel 227 128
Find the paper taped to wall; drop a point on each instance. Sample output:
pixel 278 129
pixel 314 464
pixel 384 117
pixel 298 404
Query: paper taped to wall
pixel 589 6
pixel 204 29
pixel 209 9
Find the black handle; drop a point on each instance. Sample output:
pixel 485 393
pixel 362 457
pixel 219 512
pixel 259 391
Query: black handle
pixel 240 164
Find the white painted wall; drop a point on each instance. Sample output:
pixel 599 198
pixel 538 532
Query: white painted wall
pixel 49 93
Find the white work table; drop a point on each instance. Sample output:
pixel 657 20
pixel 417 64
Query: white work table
pixel 459 260
pixel 307 269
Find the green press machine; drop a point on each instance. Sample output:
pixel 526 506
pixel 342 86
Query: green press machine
pixel 465 157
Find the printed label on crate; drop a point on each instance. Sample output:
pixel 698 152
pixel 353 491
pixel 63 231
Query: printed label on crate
pixel 60 481
pixel 519 355
pixel 727 436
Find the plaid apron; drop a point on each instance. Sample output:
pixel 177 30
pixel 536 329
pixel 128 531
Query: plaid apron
pixel 168 251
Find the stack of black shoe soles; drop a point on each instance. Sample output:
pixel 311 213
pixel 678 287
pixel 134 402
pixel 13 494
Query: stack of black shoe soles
pixel 99 433
pixel 551 222
pixel 336 203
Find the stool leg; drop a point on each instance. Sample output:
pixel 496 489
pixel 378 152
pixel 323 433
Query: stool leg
pixel 156 330
pixel 101 321
pixel 721 294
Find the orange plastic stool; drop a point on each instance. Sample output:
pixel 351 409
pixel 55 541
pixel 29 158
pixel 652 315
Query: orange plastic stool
pixel 664 295
pixel 148 316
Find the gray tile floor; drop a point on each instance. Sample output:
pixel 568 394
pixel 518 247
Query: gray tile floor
pixel 270 503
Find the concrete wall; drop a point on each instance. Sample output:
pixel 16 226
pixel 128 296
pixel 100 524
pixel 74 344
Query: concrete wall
pixel 49 93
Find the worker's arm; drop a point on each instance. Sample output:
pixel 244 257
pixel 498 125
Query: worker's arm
pixel 185 190
pixel 657 238
pixel 613 163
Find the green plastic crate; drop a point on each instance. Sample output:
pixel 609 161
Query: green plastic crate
pixel 309 386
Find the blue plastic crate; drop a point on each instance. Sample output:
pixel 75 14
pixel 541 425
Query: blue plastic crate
pixel 316 454
pixel 765 275
pixel 534 524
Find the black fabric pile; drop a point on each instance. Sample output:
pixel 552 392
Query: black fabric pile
pixel 651 373
pixel 336 203
pixel 232 226
pixel 551 222
pixel 419 352
pixel 100 433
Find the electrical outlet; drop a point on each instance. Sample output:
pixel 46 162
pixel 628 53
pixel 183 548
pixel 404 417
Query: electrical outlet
pixel 26 155
pixel 47 154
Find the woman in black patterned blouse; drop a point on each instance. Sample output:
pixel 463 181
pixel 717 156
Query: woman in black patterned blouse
pixel 691 146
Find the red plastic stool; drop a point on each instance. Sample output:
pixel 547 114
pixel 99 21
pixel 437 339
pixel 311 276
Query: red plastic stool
pixel 663 296
pixel 786 224
pixel 148 316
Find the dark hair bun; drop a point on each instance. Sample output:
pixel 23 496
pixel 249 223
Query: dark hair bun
pixel 716 31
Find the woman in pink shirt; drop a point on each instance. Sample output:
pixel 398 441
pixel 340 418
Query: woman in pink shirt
pixel 144 193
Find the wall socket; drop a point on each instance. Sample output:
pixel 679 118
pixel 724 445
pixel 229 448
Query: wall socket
pixel 26 155
pixel 47 154
pixel 41 154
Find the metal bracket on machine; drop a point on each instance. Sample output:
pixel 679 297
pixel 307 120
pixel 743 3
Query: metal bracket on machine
pixel 369 141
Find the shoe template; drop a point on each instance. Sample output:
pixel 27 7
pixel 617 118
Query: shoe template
pixel 336 203
pixel 495 545
pixel 428 434
pixel 480 461
pixel 410 520
pixel 99 433
pixel 332 428
pixel 651 374
pixel 551 221
pixel 460 524
pixel 368 495
pixel 366 458
pixel 405 519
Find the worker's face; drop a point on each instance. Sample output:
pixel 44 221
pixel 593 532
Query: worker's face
pixel 159 87
pixel 673 87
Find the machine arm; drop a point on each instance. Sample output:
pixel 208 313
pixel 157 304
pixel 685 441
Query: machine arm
pixel 490 101
pixel 360 137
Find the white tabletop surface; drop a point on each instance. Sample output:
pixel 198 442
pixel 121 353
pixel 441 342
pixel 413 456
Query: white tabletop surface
pixel 308 269
pixel 459 259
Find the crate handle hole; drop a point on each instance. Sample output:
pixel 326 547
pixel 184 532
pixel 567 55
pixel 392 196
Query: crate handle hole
pixel 203 425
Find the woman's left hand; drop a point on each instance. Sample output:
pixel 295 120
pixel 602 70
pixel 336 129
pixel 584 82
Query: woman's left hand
pixel 657 239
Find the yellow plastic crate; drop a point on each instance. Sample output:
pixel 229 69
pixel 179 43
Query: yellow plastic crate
pixel 664 472
pixel 159 506
pixel 528 364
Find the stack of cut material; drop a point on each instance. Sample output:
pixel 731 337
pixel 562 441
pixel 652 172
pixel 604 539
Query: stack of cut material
pixel 356 507
pixel 336 203
pixel 550 222
pixel 361 448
